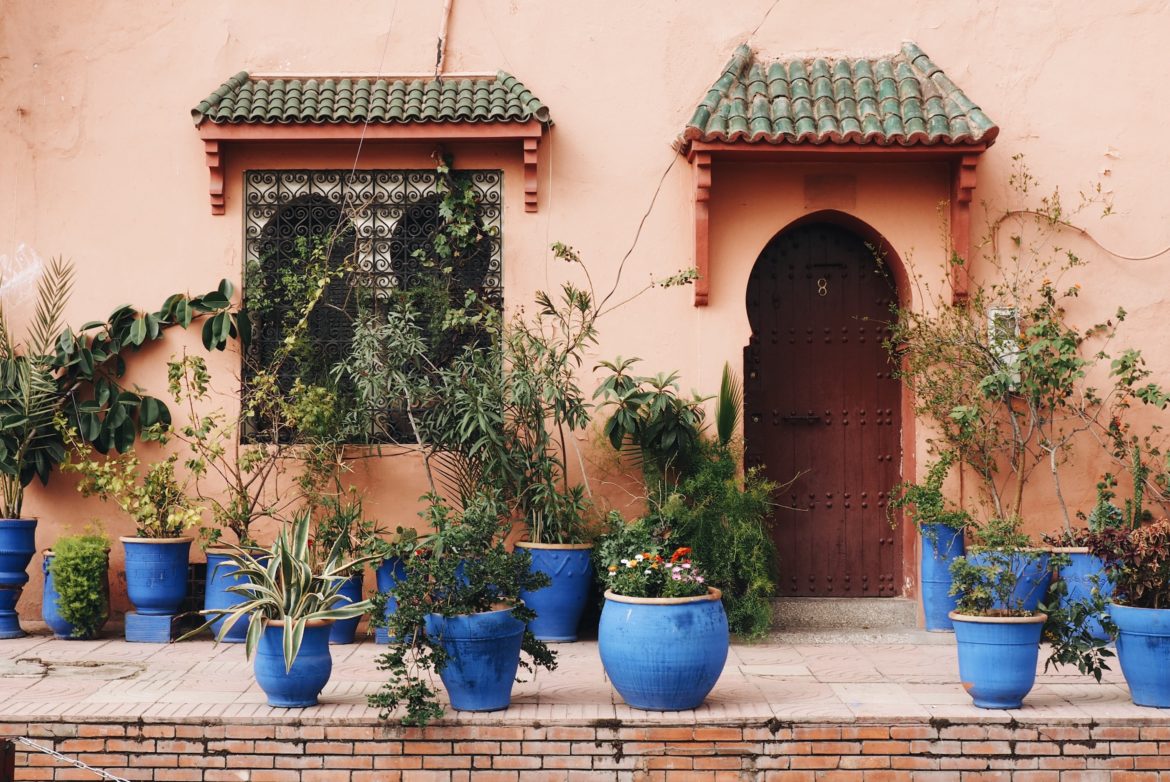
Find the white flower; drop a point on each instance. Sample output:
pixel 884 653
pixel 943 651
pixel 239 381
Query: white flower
pixel 625 561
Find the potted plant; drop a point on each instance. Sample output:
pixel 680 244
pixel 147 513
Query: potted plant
pixel 341 523
pixel 941 529
pixel 156 556
pixel 290 595
pixel 459 614
pixel 1137 561
pixel 76 601
pixel 663 636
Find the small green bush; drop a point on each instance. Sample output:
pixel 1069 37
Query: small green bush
pixel 79 568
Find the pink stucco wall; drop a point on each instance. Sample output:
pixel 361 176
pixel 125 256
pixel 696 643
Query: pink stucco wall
pixel 100 163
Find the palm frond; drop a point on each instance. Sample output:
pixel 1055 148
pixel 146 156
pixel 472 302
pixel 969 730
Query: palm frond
pixel 729 405
pixel 53 290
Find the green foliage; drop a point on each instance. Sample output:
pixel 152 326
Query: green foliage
pixel 293 582
pixel 728 405
pixel 1005 558
pixel 80 569
pixel 646 574
pixel 1137 561
pixel 463 567
pixel 924 502
pixel 1071 632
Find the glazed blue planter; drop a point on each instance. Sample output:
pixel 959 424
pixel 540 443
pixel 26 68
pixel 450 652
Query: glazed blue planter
pixel 17 546
pixel 388 574
pixel 483 655
pixel 344 631
pixel 221 574
pixel 997 657
pixel 299 686
pixel 940 545
pixel 559 606
pixel 62 628
pixel 1082 575
pixel 663 654
pixel 1033 574
pixel 156 574
pixel 1143 648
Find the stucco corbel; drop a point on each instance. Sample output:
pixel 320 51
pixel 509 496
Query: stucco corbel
pixel 211 151
pixel 701 170
pixel 962 193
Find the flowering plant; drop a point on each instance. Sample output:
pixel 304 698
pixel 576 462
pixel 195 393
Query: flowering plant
pixel 648 574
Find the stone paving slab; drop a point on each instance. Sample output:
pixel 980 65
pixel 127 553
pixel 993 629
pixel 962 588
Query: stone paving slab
pixel 42 678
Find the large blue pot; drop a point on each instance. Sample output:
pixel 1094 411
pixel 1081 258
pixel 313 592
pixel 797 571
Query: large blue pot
pixel 156 574
pixel 1081 576
pixel 344 631
pixel 17 546
pixel 997 657
pixel 221 574
pixel 940 545
pixel 299 686
pixel 663 654
pixel 388 574
pixel 1033 574
pixel 483 655
pixel 559 606
pixel 1143 647
pixel 62 628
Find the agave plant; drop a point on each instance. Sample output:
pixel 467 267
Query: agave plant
pixel 293 582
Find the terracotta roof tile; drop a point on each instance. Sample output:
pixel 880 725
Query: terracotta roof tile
pixel 243 99
pixel 903 99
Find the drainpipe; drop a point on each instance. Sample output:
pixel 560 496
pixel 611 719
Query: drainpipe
pixel 442 45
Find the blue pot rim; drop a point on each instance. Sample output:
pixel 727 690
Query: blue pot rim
pixel 554 546
pixel 158 541
pixel 19 522
pixel 1123 607
pixel 311 623
pixel 1036 618
pixel 712 595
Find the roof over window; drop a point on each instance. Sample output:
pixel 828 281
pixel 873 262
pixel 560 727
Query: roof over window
pixel 251 109
pixel 246 99
pixel 899 100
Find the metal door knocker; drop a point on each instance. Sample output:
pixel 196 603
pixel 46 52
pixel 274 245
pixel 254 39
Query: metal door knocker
pixel 822 287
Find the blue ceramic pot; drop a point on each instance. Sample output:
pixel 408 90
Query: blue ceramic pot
pixel 344 631
pixel 1033 574
pixel 156 574
pixel 221 574
pixel 663 654
pixel 17 546
pixel 483 655
pixel 559 606
pixel 940 545
pixel 1082 575
pixel 62 628
pixel 1143 647
pixel 299 686
pixel 997 657
pixel 388 574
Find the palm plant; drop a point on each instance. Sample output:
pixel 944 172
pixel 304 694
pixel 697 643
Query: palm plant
pixel 30 444
pixel 294 582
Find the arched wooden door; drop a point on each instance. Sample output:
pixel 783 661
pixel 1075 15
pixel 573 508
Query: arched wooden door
pixel 822 401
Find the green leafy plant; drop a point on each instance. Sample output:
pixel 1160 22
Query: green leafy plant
pixel 463 567
pixel 1137 561
pixel 925 504
pixel 293 582
pixel 80 570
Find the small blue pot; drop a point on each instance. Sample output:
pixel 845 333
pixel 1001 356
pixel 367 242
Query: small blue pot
pixel 388 574
pixel 62 628
pixel 1082 575
pixel 17 546
pixel 156 574
pixel 299 686
pixel 559 606
pixel 221 574
pixel 483 656
pixel 344 631
pixel 940 545
pixel 1032 584
pixel 997 657
pixel 1143 647
pixel 663 654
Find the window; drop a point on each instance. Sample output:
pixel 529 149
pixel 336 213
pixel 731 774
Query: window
pixel 371 222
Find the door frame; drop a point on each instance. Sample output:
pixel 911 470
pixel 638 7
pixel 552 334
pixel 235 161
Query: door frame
pixel 908 434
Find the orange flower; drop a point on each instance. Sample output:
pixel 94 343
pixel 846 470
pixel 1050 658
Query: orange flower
pixel 679 553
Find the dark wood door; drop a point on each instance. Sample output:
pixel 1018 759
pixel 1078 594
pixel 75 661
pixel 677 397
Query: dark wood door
pixel 821 400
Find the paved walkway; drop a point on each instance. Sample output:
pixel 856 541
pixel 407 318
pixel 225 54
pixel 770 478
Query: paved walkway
pixel 43 679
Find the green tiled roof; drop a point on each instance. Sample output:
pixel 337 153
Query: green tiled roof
pixel 243 99
pixel 904 99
